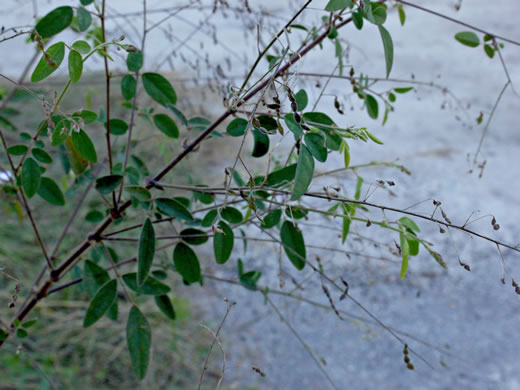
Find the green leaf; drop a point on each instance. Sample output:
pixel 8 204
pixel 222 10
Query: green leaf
pixel 151 286
pixel 81 47
pixel 30 177
pixel 83 19
pixel 316 144
pixel 186 263
pixel 261 146
pixel 357 19
pixel 138 192
pixel 75 66
pixel 173 208
pixel 118 126
pixel 388 46
pixel 348 211
pixel 159 89
pixel 468 38
pixel 332 140
pixel 293 244
pixel 17 150
pixel 139 339
pixel 86 2
pixel 87 116
pixel 336 5
pixel 267 122
pixel 237 127
pixel 84 146
pixel 164 304
pixel 346 154
pixel 410 224
pixel 304 173
pixel 281 176
pixel 402 90
pixel 101 302
pixel 94 216
pixel 94 277
pixel 166 125
pixel 178 113
pixel 203 197
pixel 106 184
pixel 402 15
pixel 41 155
pixel 414 247
pixel 301 99
pixel 146 251
pixel 50 191
pixel 373 137
pixel 46 67
pixel 272 219
pixel 128 86
pixel 223 243
pixel 209 218
pixel 190 236
pixel 54 22
pixel 378 13
pixel 372 106
pixel 405 254
pixel 231 214
pixel 490 52
pixel 293 126
pixel 134 61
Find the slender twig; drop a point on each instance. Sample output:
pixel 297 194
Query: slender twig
pixel 107 97
pixel 215 339
pixel 134 108
pixel 458 22
pixel 303 343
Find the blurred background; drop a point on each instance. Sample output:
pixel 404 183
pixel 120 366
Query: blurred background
pixel 462 324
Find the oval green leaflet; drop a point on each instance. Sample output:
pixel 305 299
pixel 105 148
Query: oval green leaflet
pixel 173 208
pixel 223 243
pixel 194 236
pixel 50 191
pixel 293 244
pixel 106 184
pixel 261 146
pixel 41 155
pixel 186 263
pixel 316 144
pixel 237 127
pixel 164 304
pixel 83 19
pixel 138 192
pixel 468 38
pixel 54 22
pixel 117 126
pixel 139 340
pixel 159 89
pixel 84 146
pixel 304 173
pixel 372 106
pixel 49 63
pixel 31 177
pixel 75 66
pixel 231 214
pixel 166 125
pixel 128 86
pixel 101 302
pixel 134 61
pixel 388 46
pixel 151 286
pixel 146 251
